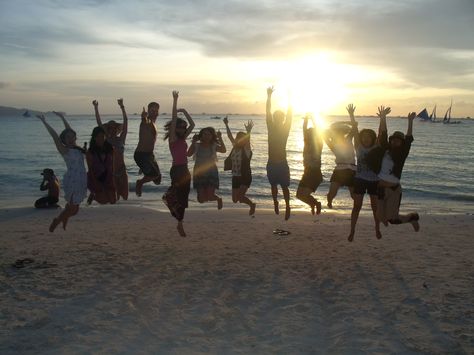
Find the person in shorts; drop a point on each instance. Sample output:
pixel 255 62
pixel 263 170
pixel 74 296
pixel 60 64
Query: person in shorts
pixel 312 177
pixel 51 183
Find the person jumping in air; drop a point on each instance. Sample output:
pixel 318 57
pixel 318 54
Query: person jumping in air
pixel 312 177
pixel 204 147
pixel 239 159
pixel 51 183
pixel 75 179
pixel 339 139
pixel 116 134
pixel 388 162
pixel 144 156
pixel 100 174
pixel 177 130
pixel 278 171
pixel 365 180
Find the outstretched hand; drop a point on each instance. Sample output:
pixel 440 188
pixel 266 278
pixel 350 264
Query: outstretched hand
pixel 248 126
pixel 270 90
pixel 59 114
pixel 175 94
pixel 120 102
pixel 411 116
pixel 351 109
pixel 225 120
pixel 144 113
pixel 383 111
pixel 95 103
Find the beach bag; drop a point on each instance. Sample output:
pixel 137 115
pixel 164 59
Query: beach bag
pixel 228 161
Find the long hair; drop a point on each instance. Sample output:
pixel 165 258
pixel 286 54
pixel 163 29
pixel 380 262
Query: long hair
pixel 212 131
pixel 62 138
pixel 93 147
pixel 167 126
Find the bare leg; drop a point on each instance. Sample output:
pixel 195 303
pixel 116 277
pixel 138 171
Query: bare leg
pixel 275 199
pixel 358 199
pixel 304 194
pixel 332 192
pixel 69 211
pixel 373 204
pixel 140 182
pixel 180 229
pixel 286 195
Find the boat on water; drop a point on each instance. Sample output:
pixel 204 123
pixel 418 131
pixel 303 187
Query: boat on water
pixel 26 114
pixel 447 116
pixel 215 117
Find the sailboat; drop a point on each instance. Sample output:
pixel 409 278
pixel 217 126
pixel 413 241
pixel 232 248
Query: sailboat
pixel 26 114
pixel 447 116
pixel 423 115
pixel 433 114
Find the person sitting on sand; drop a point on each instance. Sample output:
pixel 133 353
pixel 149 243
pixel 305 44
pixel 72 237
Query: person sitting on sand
pixel 278 171
pixel 100 174
pixel 365 180
pixel 239 159
pixel 51 183
pixel 205 173
pixel 388 161
pixel 312 177
pixel 339 139
pixel 177 130
pixel 75 179
pixel 144 156
pixel 116 135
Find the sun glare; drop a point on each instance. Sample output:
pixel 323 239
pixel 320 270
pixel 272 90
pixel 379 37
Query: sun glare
pixel 312 84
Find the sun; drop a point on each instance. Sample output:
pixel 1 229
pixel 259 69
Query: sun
pixel 312 84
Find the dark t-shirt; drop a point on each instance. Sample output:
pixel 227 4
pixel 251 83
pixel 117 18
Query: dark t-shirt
pixel 277 138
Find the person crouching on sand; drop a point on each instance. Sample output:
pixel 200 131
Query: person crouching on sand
pixel 75 179
pixel 51 183
pixel 388 161
pixel 365 180
pixel 100 174
pixel 278 171
pixel 204 147
pixel 239 162
pixel 177 130
pixel 116 135
pixel 312 177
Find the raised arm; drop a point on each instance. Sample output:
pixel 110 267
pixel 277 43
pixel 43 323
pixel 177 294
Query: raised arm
pixel 192 147
pixel 220 143
pixel 229 133
pixel 123 135
pixel 383 135
pixel 61 116
pixel 191 123
pixel 269 116
pixel 60 147
pixel 95 103
pixel 174 117
pixel 248 126
pixel 355 131
pixel 411 117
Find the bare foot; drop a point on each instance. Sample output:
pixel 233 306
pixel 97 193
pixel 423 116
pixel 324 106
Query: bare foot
pixel 65 223
pixel 287 213
pixel 276 207
pixel 378 234
pixel 252 209
pixel 138 188
pixel 53 225
pixel 318 207
pixel 219 203
pixel 416 225
pixel 180 229
pixel 329 202
pixel 351 237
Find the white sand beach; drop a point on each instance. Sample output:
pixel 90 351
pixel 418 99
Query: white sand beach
pixel 121 280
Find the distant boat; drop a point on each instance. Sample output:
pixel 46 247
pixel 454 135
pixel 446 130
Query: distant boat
pixel 215 117
pixel 447 116
pixel 26 114
pixel 433 114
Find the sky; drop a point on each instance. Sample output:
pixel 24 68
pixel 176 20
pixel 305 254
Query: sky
pixel 320 55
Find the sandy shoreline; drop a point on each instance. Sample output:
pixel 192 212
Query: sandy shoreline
pixel 121 280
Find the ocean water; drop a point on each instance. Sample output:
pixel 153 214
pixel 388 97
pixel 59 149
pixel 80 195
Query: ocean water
pixel 438 176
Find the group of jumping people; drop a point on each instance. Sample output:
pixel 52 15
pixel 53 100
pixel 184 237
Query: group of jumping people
pixel 376 171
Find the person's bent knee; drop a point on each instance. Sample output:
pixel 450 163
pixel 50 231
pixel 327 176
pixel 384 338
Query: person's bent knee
pixel 395 221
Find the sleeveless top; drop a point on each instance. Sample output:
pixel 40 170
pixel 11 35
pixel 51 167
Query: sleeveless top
pixel 179 152
pixel 363 171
